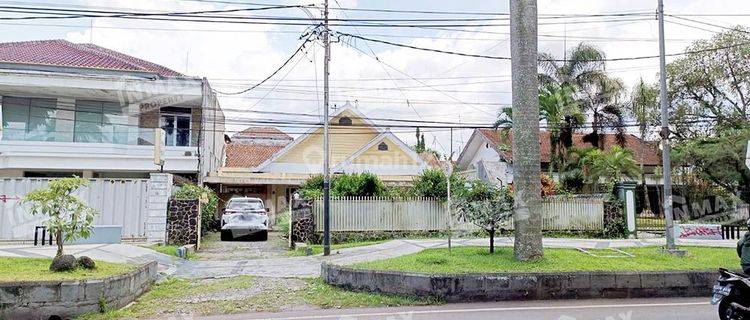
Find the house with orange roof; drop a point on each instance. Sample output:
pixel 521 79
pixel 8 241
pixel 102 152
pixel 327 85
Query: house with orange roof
pixel 488 154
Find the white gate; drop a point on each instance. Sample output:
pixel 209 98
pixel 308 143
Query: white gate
pixel 119 202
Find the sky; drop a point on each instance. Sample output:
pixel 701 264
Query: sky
pixel 381 81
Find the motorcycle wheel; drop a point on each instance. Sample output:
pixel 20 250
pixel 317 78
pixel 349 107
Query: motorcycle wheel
pixel 725 310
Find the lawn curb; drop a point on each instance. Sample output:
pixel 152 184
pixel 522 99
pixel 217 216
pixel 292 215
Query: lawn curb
pixel 68 298
pixel 524 286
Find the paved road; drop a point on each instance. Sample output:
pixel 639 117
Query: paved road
pixel 635 309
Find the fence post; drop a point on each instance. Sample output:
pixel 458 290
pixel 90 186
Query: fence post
pixel 626 193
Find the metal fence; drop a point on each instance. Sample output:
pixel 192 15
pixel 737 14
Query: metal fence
pixel 119 201
pixel 426 214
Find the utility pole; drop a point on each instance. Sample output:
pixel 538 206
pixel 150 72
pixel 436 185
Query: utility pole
pixel 326 138
pixel 527 215
pixel 665 144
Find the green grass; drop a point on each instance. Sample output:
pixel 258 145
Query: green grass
pixel 478 259
pixel 170 250
pixel 35 269
pixel 318 248
pixel 167 299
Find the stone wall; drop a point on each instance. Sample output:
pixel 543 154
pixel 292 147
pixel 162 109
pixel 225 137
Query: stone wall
pixel 302 221
pixel 184 222
pixel 67 299
pixel 525 286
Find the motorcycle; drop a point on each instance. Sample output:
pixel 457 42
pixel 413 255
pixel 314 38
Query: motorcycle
pixel 732 294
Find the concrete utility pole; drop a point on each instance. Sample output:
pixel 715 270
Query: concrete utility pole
pixel 526 158
pixel 665 144
pixel 326 151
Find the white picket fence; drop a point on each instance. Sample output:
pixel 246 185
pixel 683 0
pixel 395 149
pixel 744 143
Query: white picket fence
pixel 425 214
pixel 120 202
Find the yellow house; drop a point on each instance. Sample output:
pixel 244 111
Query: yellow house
pixel 271 167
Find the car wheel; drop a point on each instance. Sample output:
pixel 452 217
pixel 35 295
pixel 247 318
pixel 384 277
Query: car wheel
pixel 262 236
pixel 725 309
pixel 226 235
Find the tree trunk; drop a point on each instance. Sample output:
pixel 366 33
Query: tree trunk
pixel 526 159
pixel 59 241
pixel 492 240
pixel 644 194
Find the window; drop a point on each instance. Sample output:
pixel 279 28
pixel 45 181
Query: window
pixel 345 121
pixel 101 122
pixel 176 128
pixel 33 119
pixel 383 146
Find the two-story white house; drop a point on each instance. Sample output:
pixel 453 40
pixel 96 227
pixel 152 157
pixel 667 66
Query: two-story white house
pixel 81 109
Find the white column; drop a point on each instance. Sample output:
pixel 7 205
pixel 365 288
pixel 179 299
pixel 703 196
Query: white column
pixel 159 190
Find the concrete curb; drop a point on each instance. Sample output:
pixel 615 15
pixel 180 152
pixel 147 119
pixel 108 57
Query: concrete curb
pixel 43 299
pixel 524 286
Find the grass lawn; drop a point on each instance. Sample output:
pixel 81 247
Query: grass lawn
pixel 318 248
pixel 180 298
pixel 170 250
pixel 478 259
pixel 34 269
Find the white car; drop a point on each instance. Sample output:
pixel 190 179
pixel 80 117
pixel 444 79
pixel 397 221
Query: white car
pixel 244 217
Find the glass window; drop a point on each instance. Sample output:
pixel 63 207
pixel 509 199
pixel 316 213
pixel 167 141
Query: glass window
pixel 177 129
pixel 383 146
pixel 33 119
pixel 101 121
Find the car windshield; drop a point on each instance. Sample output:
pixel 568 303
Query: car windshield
pixel 238 205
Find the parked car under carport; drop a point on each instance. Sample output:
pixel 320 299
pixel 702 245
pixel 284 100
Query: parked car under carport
pixel 244 218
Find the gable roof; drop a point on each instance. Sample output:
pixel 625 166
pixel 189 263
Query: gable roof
pixel 77 55
pixel 262 133
pixel 431 160
pixel 249 155
pixel 650 154
pixel 288 147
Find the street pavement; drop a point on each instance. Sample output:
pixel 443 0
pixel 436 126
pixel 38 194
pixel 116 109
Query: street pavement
pixel 626 309
pixel 306 267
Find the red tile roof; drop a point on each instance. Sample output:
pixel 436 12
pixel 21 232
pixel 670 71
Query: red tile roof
pixel 651 155
pixel 249 155
pixel 270 133
pixel 78 55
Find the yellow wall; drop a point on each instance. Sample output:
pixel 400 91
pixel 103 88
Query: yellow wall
pixel 394 155
pixel 344 142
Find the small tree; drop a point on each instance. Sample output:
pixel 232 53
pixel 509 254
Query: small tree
pixel 432 183
pixel 484 205
pixel 69 218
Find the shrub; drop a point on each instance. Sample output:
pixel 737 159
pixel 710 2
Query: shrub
pixel 209 221
pixel 432 183
pixel 345 185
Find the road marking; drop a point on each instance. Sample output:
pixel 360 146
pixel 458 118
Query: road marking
pixel 378 314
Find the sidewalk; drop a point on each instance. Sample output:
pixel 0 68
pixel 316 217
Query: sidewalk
pixel 283 267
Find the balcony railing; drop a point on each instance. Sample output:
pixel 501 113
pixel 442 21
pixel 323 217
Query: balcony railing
pixel 110 134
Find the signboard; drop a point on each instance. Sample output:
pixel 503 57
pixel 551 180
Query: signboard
pixel 698 231
pixel 159 146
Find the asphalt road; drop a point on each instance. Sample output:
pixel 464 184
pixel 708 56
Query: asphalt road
pixel 628 309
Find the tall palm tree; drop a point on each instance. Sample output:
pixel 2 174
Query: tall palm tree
pixel 597 92
pixel 644 106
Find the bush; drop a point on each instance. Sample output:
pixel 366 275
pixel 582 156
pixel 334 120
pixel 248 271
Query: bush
pixel 432 183
pixel 65 262
pixel 209 221
pixel 345 185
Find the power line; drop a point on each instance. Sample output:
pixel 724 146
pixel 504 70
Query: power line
pixel 294 54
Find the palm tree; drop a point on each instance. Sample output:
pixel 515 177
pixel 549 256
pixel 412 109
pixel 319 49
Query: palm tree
pixel 644 106
pixel 597 92
pixel 612 166
pixel 559 109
